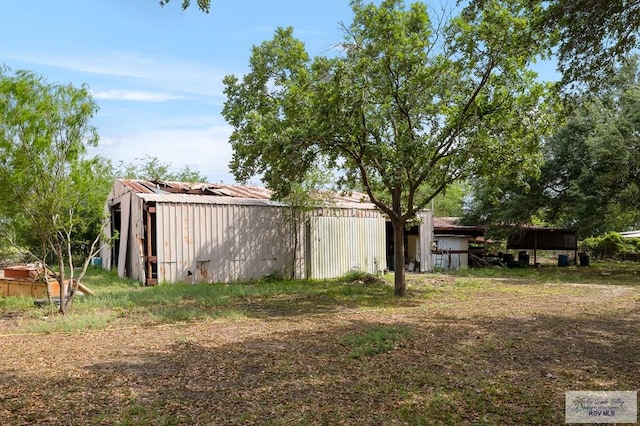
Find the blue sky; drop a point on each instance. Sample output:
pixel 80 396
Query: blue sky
pixel 156 72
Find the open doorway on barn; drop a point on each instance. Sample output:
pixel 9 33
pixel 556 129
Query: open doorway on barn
pixel 116 229
pixel 149 247
pixel 411 247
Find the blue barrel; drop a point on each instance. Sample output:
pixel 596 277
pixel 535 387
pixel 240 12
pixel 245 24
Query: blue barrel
pixel 563 260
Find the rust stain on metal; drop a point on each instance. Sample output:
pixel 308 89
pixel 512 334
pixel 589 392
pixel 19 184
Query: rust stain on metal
pixel 341 199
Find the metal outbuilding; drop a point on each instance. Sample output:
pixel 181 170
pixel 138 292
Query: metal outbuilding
pixel 541 238
pixel 183 232
pixel 451 242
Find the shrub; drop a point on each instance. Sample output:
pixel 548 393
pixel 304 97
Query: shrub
pixel 612 246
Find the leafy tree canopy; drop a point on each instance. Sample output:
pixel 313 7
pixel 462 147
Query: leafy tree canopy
pixel 452 201
pixel 50 189
pixel 408 107
pixel 592 37
pixel 590 179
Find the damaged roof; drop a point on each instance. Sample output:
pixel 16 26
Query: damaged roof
pixel 219 189
pixel 220 193
pixel 450 225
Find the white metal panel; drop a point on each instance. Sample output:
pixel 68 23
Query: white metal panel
pixel 122 195
pixel 338 245
pixel 448 260
pixel 125 221
pixel 343 207
pixel 105 250
pixel 136 241
pixel 220 243
pixel 425 231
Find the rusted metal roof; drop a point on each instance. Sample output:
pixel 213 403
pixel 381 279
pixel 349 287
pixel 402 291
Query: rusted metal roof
pixel 207 199
pixel 449 225
pixel 219 193
pixel 219 189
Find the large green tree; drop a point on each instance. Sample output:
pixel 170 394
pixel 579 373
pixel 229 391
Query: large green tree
pixel 50 190
pixel 407 107
pixel 591 37
pixel 590 179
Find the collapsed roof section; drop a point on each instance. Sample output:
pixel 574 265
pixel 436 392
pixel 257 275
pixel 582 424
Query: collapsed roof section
pixel 167 187
pixel 251 194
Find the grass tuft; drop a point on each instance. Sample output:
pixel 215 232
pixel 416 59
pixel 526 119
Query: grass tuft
pixel 376 340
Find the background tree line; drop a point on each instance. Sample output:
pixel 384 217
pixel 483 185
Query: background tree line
pixel 589 179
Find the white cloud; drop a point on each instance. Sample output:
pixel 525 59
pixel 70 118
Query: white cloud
pixel 138 69
pixel 204 149
pixel 135 95
pixel 183 134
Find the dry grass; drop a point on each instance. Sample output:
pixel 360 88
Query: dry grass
pixel 473 350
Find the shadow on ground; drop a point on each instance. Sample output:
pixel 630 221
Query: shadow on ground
pixel 511 370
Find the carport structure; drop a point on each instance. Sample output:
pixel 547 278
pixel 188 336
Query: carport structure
pixel 540 238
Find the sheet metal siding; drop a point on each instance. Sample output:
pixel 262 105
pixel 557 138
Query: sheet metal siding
pixel 136 240
pixel 426 239
pixel 105 250
pixel 347 212
pixel 220 243
pixel 452 261
pixel 222 238
pixel 338 245
pixel 119 194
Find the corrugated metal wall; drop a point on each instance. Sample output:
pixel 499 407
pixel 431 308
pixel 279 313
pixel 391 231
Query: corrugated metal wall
pixel 221 242
pixel 136 240
pixel 452 261
pixel 426 239
pixel 337 245
pixel 131 258
pixel 219 239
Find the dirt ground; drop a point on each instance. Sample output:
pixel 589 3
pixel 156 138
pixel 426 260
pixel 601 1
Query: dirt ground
pixel 503 353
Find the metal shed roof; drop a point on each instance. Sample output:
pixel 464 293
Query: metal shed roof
pixel 217 193
pixel 215 189
pixel 450 226
pixel 541 238
pixel 207 199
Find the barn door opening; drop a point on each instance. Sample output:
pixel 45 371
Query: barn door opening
pixel 411 248
pixel 418 241
pixel 150 250
pixel 116 229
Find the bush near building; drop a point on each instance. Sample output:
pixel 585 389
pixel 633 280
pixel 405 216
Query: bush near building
pixel 612 246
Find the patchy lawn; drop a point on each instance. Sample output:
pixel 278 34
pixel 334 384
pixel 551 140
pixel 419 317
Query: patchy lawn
pixel 459 350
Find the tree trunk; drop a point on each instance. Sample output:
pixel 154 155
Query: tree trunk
pixel 60 278
pixel 398 249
